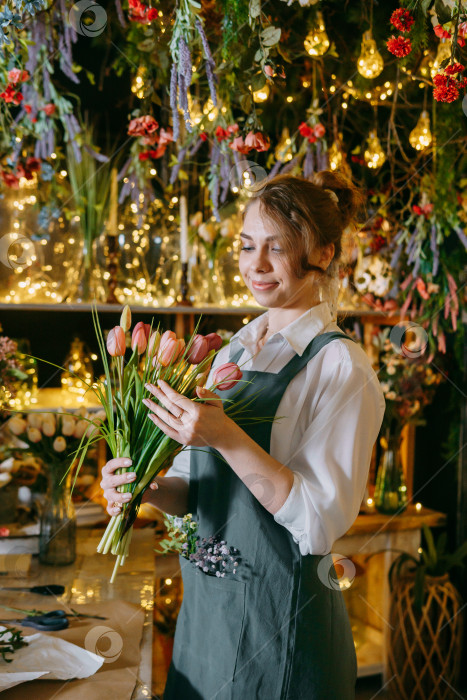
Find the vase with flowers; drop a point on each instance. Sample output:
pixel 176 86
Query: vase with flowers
pixel 55 438
pixel 409 384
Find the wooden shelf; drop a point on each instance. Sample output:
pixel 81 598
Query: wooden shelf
pixel 364 314
pixel 410 519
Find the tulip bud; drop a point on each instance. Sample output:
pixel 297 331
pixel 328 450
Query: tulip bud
pixel 68 425
pixel 214 340
pixel 125 318
pixel 201 379
pixel 116 344
pixel 80 429
pixel 226 376
pixel 34 420
pixel 197 350
pixel 196 219
pixel 49 427
pixel 170 348
pixel 139 337
pixel 59 444
pixel 154 343
pixel 34 435
pixel 17 425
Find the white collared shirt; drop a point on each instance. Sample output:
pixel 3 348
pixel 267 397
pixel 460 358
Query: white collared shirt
pixel 331 412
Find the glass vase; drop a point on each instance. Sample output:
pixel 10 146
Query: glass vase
pixel 57 540
pixel 391 490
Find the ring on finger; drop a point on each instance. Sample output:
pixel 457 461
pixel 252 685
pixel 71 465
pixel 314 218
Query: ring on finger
pixel 116 504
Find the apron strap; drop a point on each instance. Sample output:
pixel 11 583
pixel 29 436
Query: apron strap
pixel 299 361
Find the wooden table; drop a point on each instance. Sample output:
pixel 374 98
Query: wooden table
pixel 87 581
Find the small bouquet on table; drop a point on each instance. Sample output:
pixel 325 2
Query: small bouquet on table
pixel 128 430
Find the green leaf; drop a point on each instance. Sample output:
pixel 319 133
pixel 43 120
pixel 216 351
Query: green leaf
pixel 271 36
pixel 255 8
pixel 90 77
pixel 258 81
pixel 443 12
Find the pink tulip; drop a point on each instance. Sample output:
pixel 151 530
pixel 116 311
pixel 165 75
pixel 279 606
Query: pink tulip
pixel 228 375
pixel 214 340
pixel 170 348
pixel 140 337
pixel 198 350
pixel 116 343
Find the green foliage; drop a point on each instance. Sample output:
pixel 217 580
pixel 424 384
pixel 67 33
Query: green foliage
pixel 433 561
pixel 11 639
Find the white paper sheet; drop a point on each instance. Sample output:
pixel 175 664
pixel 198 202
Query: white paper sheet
pixel 50 658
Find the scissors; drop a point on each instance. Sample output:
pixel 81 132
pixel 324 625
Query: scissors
pixel 48 622
pixel 49 589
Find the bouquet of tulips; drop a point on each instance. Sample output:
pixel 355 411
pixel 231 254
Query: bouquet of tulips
pixel 128 430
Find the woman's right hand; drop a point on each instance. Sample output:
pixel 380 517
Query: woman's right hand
pixel 110 481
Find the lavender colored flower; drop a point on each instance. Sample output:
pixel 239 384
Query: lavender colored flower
pixel 309 162
pixel 176 168
pixel 120 15
pixel 461 235
pixel 173 101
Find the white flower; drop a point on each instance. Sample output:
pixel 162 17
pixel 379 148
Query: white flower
pixel 59 444
pixel 391 395
pixel 34 435
pixel 68 425
pixel 17 425
pixel 34 420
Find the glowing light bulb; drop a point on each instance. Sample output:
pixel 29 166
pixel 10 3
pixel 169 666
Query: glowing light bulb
pixel 420 137
pixel 374 155
pixel 317 41
pixel 335 156
pixel 262 94
pixel 283 151
pixel 370 62
pixel 138 86
pixel 210 110
pixel 444 52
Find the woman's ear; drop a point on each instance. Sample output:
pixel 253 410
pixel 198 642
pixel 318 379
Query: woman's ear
pixel 326 255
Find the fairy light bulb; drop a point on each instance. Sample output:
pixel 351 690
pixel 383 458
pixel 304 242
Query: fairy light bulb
pixel 420 137
pixel 444 52
pixel 374 155
pixel 138 86
pixel 262 94
pixel 210 110
pixel 283 150
pixel 370 62
pixel 317 41
pixel 335 156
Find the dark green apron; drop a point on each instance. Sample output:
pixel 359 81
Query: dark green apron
pixel 274 630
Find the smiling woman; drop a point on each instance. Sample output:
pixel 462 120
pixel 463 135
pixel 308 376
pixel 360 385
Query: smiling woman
pixel 280 492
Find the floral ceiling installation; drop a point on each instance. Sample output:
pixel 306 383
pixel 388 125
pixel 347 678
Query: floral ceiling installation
pixel 204 99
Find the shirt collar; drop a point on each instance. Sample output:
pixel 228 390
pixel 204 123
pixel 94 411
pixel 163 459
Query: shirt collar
pixel 299 333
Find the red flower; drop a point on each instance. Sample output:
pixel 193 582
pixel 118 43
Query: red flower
pixel 238 144
pixel 402 20
pixel 33 164
pixel 319 130
pixel 27 109
pixel 257 141
pixel 423 211
pixel 446 93
pixel 203 136
pixel 461 41
pixel 221 134
pixel 462 29
pixel 305 130
pixel 377 243
pixel 440 32
pixel 399 46
pixel 455 68
pixel 143 126
pixel 232 129
pixel 9 179
pixel 141 13
pixel 11 95
pixel 166 136
pixel 49 109
pixel 18 76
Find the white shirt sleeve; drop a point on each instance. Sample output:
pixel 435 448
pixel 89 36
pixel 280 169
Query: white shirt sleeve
pixel 331 461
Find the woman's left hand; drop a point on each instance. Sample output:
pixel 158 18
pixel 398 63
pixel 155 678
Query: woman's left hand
pixel 186 421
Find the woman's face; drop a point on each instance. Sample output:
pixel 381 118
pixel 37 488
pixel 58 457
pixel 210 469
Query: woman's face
pixel 264 266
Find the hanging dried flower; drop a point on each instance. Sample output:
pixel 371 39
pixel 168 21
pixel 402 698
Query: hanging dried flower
pixel 402 20
pixel 399 46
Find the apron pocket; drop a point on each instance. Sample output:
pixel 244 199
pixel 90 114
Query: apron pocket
pixel 214 611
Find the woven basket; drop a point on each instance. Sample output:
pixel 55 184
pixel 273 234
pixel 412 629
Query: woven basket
pixel 425 648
